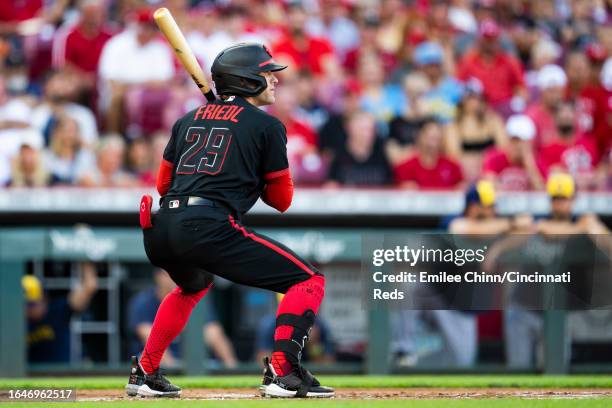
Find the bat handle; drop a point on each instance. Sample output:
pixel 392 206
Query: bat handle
pixel 210 95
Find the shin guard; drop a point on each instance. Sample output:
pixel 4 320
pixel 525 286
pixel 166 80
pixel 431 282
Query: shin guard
pixel 294 319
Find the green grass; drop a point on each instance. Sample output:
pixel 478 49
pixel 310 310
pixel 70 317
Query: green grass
pixel 493 403
pixel 349 381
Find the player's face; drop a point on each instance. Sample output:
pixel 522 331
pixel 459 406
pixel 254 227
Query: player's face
pixel 267 97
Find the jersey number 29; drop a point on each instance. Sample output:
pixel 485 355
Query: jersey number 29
pixel 206 150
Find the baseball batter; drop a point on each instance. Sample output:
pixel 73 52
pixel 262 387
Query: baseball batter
pixel 219 160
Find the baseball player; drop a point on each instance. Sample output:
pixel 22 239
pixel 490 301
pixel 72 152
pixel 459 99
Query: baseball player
pixel 220 159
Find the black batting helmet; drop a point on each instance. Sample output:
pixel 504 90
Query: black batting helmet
pixel 237 69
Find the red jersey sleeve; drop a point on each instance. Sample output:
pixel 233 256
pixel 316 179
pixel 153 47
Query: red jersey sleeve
pixel 164 177
pixel 278 192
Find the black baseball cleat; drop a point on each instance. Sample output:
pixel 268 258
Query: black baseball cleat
pixel 157 386
pixel 136 379
pixel 300 383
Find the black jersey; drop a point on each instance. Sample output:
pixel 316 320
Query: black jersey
pixel 224 151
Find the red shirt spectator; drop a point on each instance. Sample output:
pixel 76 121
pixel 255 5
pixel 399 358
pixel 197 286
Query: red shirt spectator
pixel 544 120
pixel 13 11
pixel 82 49
pixel 300 137
pixel 429 168
pixel 595 109
pixel 302 50
pixel 445 173
pixel 310 57
pixel 83 44
pixel 500 73
pixel 551 81
pixel 570 153
pixel 302 140
pixel 509 175
pixel 513 167
pixel 369 44
pixel 574 157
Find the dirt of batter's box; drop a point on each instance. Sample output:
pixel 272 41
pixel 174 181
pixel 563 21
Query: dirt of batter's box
pixel 374 393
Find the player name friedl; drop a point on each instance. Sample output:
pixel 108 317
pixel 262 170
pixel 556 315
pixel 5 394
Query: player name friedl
pixel 218 112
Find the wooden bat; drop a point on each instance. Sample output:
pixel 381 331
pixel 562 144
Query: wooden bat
pixel 167 25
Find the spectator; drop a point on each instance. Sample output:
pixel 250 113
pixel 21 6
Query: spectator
pixel 49 318
pixel 140 163
pixel 512 167
pixel 334 23
pixel 309 108
pixel 523 328
pixel 571 153
pixel 445 92
pixel 476 129
pixel 578 71
pixel 141 313
pixel 158 145
pixel 14 13
pixel 332 135
pixel 461 16
pixel 384 101
pixel 78 50
pixel 369 46
pixel 15 128
pixel 361 161
pixel 404 128
pixel 578 29
pixel 67 158
pixel 28 169
pixel 499 72
pixel 60 92
pixel 134 57
pixel 458 329
pixel 299 49
pixel 551 84
pixel 302 142
pixel 596 110
pixel 232 29
pixel 562 192
pixel 597 55
pixel 544 52
pixel 110 165
pixel 429 168
pixel 480 217
pixel 604 37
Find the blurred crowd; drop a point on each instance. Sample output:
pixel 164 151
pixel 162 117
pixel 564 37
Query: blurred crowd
pixel 416 94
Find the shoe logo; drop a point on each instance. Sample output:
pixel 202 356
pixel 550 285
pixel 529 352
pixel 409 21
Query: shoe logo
pixel 301 345
pixel 174 204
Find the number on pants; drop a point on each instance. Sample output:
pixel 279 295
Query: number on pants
pixel 206 151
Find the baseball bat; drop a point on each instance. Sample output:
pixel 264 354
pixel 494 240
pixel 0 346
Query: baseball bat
pixel 167 25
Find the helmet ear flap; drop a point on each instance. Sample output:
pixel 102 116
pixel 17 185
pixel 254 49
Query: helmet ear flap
pixel 228 84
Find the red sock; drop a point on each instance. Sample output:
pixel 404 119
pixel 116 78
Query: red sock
pixel 171 317
pixel 299 298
